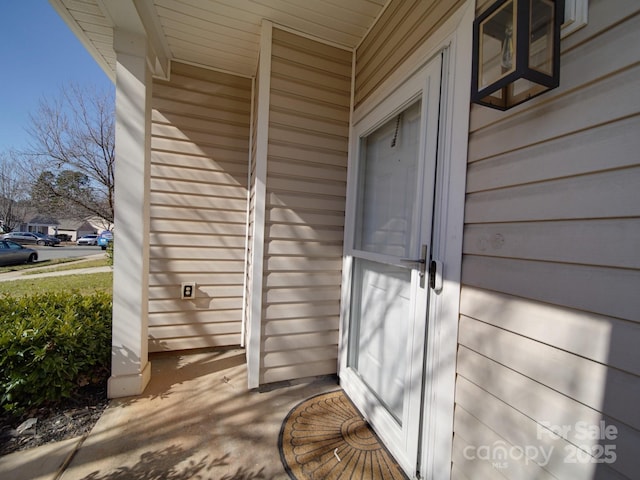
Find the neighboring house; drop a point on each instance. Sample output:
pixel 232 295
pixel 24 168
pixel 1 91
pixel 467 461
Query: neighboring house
pixel 99 224
pixel 245 174
pixel 38 223
pixel 79 228
pixel 74 228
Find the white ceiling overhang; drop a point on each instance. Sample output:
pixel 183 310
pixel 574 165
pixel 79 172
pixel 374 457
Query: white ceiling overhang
pixel 219 34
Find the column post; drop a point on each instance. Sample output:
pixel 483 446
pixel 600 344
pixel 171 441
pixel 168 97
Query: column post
pixel 130 368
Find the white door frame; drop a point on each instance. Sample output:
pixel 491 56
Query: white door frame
pixel 454 38
pixel 400 432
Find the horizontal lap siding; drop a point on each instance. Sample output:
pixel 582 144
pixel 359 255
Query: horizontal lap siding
pixel 402 28
pixel 305 202
pixel 199 151
pixel 550 311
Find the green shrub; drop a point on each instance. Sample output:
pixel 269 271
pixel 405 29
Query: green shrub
pixel 51 344
pixel 110 253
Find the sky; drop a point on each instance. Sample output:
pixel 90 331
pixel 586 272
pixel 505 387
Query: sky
pixel 39 55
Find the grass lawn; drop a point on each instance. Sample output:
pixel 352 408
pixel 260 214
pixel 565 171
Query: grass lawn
pixel 86 283
pixel 33 266
pixel 64 266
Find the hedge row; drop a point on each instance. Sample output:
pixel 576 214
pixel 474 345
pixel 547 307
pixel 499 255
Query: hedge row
pixel 51 344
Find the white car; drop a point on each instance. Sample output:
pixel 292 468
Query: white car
pixel 88 240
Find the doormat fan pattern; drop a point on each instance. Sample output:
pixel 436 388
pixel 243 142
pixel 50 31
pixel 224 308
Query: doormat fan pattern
pixel 325 437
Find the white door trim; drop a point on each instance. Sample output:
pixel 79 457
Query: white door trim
pixel 437 441
pixel 455 39
pixel 401 434
pixel 254 313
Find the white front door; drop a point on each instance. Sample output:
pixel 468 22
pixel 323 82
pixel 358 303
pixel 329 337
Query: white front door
pixel 388 244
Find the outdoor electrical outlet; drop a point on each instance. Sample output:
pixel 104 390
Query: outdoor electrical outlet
pixel 188 290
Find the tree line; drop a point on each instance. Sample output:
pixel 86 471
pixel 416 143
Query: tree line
pixel 67 168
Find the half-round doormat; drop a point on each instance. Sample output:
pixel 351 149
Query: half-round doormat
pixel 325 437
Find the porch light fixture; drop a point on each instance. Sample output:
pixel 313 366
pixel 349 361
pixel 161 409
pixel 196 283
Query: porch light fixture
pixel 516 51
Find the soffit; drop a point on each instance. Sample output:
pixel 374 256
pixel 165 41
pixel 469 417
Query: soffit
pixel 220 34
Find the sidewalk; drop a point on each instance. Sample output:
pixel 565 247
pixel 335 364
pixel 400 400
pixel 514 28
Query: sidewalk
pixel 196 419
pixel 41 463
pixel 27 274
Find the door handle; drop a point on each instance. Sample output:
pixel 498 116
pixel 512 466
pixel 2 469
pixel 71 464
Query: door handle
pixel 435 276
pixel 422 261
pixel 413 260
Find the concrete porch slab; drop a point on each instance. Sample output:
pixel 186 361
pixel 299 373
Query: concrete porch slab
pixel 195 419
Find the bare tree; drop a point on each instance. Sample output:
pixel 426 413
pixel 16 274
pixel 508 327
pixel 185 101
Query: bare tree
pixel 71 153
pixel 13 194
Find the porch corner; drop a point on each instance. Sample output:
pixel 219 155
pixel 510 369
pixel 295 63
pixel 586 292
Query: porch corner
pixel 119 386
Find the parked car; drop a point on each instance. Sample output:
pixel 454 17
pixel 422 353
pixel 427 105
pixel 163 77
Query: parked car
pixel 12 253
pixel 64 237
pixel 88 240
pixel 104 239
pixel 22 238
pixel 46 239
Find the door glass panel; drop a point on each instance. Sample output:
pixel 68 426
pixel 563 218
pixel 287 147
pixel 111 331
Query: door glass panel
pixel 387 203
pixel 383 305
pixel 388 176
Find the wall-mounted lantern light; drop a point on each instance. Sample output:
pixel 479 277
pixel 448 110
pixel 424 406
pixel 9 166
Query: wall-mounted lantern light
pixel 516 51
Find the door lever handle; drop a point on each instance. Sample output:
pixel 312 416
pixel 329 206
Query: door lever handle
pixel 422 261
pixel 413 260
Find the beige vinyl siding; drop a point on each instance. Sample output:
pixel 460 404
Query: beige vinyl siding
pixel 304 207
pixel 402 28
pixel 199 152
pixel 550 312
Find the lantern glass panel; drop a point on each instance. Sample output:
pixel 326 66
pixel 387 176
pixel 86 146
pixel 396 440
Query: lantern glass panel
pixel 521 90
pixel 497 45
pixel 541 36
